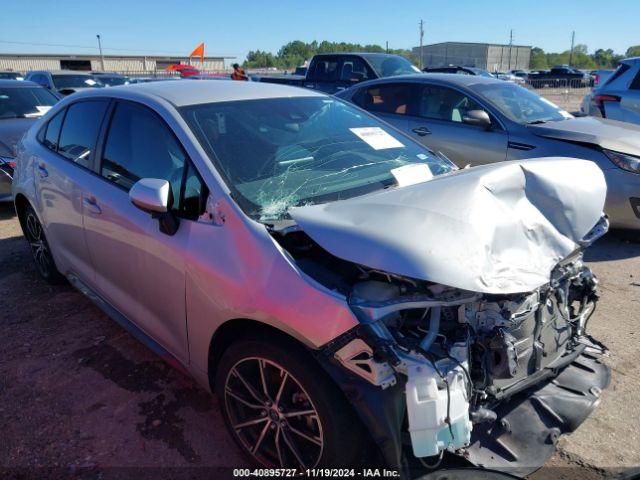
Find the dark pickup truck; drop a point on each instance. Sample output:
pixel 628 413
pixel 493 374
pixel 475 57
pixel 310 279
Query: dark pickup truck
pixel 560 76
pixel 332 72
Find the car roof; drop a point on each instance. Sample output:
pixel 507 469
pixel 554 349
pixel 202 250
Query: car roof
pixel 362 54
pixel 18 84
pixel 181 92
pixel 62 72
pixel 445 78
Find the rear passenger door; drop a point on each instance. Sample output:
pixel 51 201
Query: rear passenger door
pixel 139 270
pixel 438 123
pixel 63 169
pixel 393 102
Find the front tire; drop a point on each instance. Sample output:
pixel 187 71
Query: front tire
pixel 40 250
pixel 283 411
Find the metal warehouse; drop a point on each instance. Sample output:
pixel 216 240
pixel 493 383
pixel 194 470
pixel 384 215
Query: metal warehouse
pixel 23 62
pixel 491 56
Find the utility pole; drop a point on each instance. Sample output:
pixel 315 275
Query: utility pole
pixel 387 46
pixel 101 56
pixel 510 46
pixel 421 37
pixel 573 38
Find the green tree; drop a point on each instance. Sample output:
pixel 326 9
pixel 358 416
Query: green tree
pixel 581 48
pixel 538 60
pixel 260 59
pixel 604 58
pixel 633 51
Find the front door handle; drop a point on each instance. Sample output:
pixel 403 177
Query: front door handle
pixel 92 205
pixel 42 171
pixel 422 131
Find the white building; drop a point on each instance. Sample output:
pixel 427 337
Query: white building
pixel 23 62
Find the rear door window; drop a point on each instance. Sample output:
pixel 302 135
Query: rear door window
pixel 80 131
pixel 635 83
pixel 40 80
pixel 52 131
pixel 622 68
pixel 325 69
pixel 394 98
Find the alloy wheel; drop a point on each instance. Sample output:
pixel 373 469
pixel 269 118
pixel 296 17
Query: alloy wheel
pixel 272 415
pixel 38 244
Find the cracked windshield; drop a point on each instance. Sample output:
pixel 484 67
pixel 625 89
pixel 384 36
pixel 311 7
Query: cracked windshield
pixel 281 152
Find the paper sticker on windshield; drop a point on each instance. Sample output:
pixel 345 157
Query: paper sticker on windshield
pixel 376 138
pixel 412 173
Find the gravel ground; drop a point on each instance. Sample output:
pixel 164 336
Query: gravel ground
pixel 80 397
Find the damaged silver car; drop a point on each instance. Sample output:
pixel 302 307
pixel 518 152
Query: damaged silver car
pixel 352 297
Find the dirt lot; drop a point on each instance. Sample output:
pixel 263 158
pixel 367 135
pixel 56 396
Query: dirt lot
pixel 566 98
pixel 80 397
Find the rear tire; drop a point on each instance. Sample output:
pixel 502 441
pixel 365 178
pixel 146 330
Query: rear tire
pixel 40 250
pixel 261 417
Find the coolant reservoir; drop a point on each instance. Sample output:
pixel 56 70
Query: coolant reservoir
pixel 427 411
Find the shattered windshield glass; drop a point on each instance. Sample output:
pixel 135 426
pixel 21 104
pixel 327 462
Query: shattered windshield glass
pixel 281 152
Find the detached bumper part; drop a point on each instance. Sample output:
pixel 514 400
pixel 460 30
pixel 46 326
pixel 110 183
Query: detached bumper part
pixel 530 423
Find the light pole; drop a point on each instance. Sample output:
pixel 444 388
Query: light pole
pixel 510 46
pixel 573 39
pixel 101 56
pixel 421 36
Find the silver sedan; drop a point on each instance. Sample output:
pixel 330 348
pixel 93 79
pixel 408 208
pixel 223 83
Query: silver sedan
pixel 349 295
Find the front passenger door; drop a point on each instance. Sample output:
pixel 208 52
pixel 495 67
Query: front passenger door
pixel 139 270
pixel 438 124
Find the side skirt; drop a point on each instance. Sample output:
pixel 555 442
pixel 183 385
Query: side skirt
pixel 127 324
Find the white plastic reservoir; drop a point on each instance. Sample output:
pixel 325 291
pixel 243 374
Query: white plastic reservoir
pixel 427 411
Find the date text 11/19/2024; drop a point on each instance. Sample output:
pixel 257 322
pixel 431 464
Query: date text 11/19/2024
pixel 316 472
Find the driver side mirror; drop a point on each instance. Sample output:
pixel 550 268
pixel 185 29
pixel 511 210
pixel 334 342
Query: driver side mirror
pixel 154 196
pixel 478 118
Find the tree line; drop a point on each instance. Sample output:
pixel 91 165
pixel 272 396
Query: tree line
pixel 295 53
pixel 581 58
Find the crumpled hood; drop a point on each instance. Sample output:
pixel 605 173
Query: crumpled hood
pixel 497 228
pixel 610 134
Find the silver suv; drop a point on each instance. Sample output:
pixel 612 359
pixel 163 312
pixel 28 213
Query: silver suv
pixel 618 98
pixel 350 296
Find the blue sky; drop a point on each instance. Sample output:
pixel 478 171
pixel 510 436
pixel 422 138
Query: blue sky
pixel 233 28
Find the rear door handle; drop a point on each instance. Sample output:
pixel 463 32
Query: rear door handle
pixel 92 205
pixel 422 131
pixel 42 171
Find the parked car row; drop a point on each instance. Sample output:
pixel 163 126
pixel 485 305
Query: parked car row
pixel 471 118
pixel 560 76
pixel 21 104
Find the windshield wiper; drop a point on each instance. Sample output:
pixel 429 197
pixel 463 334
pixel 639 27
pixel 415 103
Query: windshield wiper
pixel 536 122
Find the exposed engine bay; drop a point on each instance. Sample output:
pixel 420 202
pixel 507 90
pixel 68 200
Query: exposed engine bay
pixel 457 355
